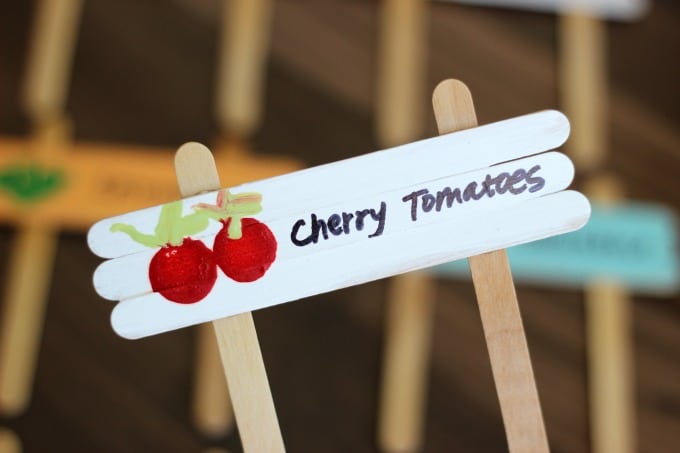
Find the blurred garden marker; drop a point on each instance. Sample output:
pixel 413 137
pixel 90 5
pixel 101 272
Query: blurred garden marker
pixel 69 186
pixel 311 246
pixel 606 9
pixel 634 243
pixel 583 86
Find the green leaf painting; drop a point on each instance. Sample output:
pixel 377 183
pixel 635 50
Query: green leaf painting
pixel 29 183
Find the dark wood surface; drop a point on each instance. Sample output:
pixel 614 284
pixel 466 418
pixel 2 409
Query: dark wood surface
pixel 144 73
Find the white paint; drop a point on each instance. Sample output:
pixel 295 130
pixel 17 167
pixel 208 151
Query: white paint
pixel 338 267
pixel 349 179
pixel 126 277
pixel 399 240
pixel 607 9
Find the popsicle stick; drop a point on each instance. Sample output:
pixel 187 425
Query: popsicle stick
pixel 25 298
pixel 236 336
pixel 212 411
pixel 403 387
pixel 9 442
pixel 51 54
pixel 499 309
pixel 401 71
pixel 582 69
pixel 608 304
pixel 609 325
pixel 409 306
pixel 244 44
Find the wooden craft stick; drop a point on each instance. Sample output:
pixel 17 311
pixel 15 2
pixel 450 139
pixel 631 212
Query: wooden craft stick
pixel 9 442
pixel 244 44
pixel 212 410
pixel 401 71
pixel 498 307
pixel 25 298
pixel 236 336
pixel 403 388
pixel 608 304
pixel 410 301
pixel 582 70
pixel 49 62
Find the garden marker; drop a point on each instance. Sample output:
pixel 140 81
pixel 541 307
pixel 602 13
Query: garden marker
pixel 634 243
pixel 347 225
pixel 69 186
pixel 583 86
pixel 35 245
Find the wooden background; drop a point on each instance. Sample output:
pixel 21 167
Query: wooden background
pixel 144 73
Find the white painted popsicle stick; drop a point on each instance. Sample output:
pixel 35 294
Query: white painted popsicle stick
pixel 410 164
pixel 357 263
pixel 606 9
pixel 119 278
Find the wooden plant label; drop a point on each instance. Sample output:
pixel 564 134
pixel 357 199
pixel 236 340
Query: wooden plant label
pixel 277 240
pixel 92 181
pixel 631 243
pixel 607 9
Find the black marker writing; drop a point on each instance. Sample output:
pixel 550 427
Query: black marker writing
pixel 338 224
pixel 514 183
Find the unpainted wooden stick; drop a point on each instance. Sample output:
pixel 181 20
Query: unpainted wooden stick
pixel 498 307
pixel 25 298
pixel 55 30
pixel 608 304
pixel 212 411
pixel 400 85
pixel 582 82
pixel 243 51
pixel 9 442
pixel 410 302
pixel 403 388
pixel 236 336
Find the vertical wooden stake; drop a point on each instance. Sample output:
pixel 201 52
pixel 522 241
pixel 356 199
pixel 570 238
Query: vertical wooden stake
pixel 410 300
pixel 49 64
pixel 212 410
pixel 9 442
pixel 498 307
pixel 242 53
pixel 608 305
pixel 236 336
pixel 244 44
pixel 32 258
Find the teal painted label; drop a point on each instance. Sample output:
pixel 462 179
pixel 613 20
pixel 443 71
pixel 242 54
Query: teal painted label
pixel 28 183
pixel 632 243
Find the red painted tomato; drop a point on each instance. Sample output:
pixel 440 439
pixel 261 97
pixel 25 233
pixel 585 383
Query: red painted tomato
pixel 245 259
pixel 183 273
